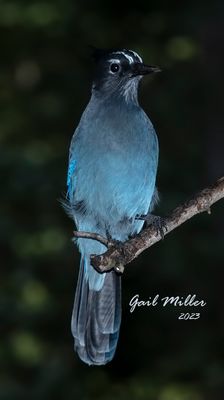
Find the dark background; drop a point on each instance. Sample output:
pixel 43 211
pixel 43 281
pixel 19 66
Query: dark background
pixel 45 77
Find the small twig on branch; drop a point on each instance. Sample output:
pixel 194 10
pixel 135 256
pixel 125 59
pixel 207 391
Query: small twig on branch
pixel 94 236
pixel 119 255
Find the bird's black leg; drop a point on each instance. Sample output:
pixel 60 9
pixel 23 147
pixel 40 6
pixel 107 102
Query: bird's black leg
pixel 109 237
pixel 158 222
pixel 111 241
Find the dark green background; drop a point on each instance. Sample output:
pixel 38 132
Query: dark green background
pixel 45 77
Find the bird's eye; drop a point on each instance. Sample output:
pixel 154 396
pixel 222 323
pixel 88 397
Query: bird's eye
pixel 114 67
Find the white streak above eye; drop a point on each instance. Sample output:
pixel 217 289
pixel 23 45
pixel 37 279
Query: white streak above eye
pixel 129 58
pixel 114 60
pixel 136 55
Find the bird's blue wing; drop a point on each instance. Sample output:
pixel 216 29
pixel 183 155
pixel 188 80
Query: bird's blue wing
pixel 71 177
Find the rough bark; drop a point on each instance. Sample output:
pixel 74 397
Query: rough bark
pixel 120 254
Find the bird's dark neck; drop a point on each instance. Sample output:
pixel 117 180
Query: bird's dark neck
pixel 118 98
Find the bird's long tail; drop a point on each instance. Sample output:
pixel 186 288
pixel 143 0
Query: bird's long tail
pixel 96 315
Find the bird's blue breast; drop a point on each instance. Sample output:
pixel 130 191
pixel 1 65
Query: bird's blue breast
pixel 113 162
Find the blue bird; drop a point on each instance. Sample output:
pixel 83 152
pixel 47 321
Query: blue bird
pixel 112 170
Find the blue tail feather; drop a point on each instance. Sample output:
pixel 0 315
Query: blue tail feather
pixel 96 317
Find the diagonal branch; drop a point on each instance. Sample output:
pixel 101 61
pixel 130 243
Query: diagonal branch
pixel 120 254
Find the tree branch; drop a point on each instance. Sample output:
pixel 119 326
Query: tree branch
pixel 120 254
pixel 93 236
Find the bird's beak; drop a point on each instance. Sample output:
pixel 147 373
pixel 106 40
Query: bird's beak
pixel 143 69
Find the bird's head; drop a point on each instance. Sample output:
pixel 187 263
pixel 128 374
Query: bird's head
pixel 118 72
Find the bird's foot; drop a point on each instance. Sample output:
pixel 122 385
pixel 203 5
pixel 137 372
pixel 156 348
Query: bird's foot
pixel 154 220
pixel 112 242
pixel 119 268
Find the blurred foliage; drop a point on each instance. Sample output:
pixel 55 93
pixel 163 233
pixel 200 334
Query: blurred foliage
pixel 45 77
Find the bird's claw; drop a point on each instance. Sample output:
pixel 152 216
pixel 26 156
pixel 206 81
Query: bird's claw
pixel 119 268
pixel 154 220
pixel 114 242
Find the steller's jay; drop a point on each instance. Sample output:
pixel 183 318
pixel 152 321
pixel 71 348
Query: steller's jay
pixel 112 169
